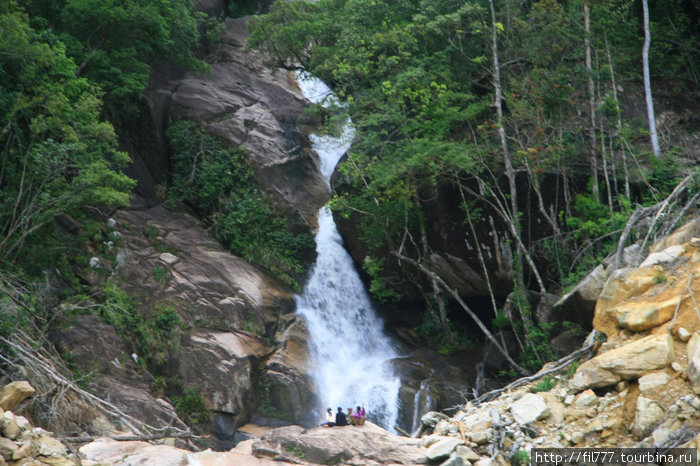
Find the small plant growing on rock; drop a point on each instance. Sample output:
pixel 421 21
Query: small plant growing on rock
pixel 572 369
pixel 546 384
pixel 191 407
pixel 295 451
pixel 160 275
pixel 521 458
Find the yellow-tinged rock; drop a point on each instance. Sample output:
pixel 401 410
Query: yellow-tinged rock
pixel 14 393
pixel 682 235
pixel 622 285
pixel 643 315
pixel 625 362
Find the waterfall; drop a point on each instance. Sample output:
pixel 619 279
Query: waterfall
pixel 422 403
pixel 349 350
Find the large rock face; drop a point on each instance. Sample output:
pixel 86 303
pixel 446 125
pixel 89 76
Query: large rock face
pixel 246 105
pixel 286 388
pixel 235 317
pixel 366 444
pixel 212 287
pixel 222 366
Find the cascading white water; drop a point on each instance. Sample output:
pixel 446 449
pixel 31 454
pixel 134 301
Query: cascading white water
pixel 422 403
pixel 350 352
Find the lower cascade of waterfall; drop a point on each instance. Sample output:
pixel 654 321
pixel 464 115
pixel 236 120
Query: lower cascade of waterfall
pixel 349 350
pixel 422 403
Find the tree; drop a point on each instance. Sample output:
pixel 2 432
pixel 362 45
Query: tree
pixel 114 43
pixel 58 156
pixel 647 83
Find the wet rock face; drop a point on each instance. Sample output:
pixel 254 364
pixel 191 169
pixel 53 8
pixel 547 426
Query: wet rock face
pixel 285 386
pixel 431 382
pixel 221 366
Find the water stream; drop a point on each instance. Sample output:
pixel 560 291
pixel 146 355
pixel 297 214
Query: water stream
pixel 350 352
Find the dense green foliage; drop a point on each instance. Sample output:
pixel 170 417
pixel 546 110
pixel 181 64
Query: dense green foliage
pixel 69 70
pixel 58 154
pixel 114 43
pixel 221 187
pixel 419 80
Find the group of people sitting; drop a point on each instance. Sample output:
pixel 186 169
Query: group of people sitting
pixel 353 418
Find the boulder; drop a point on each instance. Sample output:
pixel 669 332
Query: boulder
pixel 631 257
pixel 647 414
pixel 455 460
pixel 644 315
pixel 621 285
pixel 108 451
pixel 683 334
pixel 431 418
pixel 625 362
pixel 556 408
pixel 578 305
pixel 586 399
pixel 14 393
pixel 476 422
pixel 48 446
pixel 467 453
pixel 530 408
pixel 367 444
pixel 679 236
pixel 693 350
pixel 9 427
pixel 443 448
pixel 8 449
pixel 667 256
pixel 653 381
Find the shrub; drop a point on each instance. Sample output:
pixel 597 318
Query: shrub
pixel 545 385
pixel 219 186
pixel 191 407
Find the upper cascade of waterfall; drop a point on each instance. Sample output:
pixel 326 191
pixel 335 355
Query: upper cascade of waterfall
pixel 349 350
pixel 329 148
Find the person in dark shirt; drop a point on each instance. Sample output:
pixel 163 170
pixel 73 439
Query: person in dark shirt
pixel 340 418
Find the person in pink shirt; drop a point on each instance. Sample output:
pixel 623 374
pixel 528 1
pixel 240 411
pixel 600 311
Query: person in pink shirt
pixel 358 417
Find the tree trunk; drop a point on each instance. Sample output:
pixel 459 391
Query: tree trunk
pixel 466 308
pixel 647 83
pixel 603 155
pixel 618 123
pixel 510 172
pixel 591 103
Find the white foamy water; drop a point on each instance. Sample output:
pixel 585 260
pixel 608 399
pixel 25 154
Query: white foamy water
pixel 350 352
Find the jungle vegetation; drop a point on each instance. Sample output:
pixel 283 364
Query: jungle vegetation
pixel 484 100
pixel 518 110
